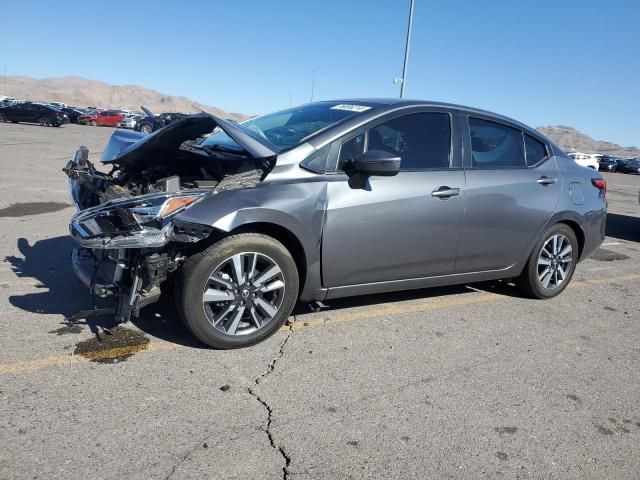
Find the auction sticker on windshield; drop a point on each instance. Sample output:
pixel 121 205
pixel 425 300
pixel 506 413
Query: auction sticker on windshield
pixel 350 107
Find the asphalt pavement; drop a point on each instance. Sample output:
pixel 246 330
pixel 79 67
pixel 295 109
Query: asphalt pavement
pixel 471 381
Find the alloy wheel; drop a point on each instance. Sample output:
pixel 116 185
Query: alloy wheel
pixel 3 118
pixel 554 261
pixel 243 293
pixel 146 129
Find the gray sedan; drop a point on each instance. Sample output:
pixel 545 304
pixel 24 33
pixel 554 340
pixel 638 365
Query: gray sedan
pixel 327 200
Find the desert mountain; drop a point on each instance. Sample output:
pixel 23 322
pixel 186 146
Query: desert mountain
pixel 82 92
pixel 572 140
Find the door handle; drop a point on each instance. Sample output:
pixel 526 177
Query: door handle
pixel 445 192
pixel 544 180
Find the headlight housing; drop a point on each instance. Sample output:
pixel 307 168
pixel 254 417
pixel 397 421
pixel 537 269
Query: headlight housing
pixel 131 223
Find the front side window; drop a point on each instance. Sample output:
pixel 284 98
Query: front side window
pixel 535 150
pixel 421 140
pixel 495 145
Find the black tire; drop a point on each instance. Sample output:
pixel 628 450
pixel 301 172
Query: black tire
pixel 94 123
pixel 529 281
pixel 44 121
pixel 146 128
pixel 3 118
pixel 194 277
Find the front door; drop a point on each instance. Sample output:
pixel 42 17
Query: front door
pixel 400 227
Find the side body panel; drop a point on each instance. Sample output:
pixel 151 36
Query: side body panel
pixel 290 198
pixel 393 229
pixel 506 209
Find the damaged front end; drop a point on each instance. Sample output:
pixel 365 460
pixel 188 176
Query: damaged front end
pixel 128 236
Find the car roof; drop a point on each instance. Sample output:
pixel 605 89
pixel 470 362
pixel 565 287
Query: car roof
pixel 380 106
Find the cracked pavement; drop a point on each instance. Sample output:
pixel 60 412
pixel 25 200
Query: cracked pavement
pixel 461 382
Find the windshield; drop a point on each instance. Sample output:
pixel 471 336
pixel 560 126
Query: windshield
pixel 287 128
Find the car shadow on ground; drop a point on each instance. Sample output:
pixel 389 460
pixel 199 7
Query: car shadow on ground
pixel 47 264
pixel 623 227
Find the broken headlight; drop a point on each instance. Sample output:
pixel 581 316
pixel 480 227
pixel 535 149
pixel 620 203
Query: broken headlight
pixel 130 223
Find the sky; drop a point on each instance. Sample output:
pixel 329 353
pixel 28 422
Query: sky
pixel 549 62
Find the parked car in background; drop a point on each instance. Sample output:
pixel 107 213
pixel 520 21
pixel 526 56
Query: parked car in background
pixel 385 186
pixel 153 122
pixel 606 163
pixel 73 113
pixel 30 112
pixel 632 166
pixel 586 160
pixel 58 105
pixel 105 118
pixel 130 121
pixel 620 162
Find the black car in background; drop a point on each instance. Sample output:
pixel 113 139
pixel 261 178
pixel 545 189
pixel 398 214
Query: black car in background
pixel 29 112
pixel 153 122
pixel 607 163
pixel 632 166
pixel 73 113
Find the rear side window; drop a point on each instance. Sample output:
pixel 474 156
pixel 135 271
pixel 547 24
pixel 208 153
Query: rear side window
pixel 495 145
pixel 535 150
pixel 421 140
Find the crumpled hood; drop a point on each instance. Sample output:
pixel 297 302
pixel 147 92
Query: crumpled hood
pixel 126 147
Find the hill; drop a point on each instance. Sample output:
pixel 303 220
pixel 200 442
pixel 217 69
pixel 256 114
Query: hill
pixel 572 140
pixel 83 92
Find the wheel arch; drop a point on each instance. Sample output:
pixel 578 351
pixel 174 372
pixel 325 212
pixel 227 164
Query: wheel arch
pixel 580 235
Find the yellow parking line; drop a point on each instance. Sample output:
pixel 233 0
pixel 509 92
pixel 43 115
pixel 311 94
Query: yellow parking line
pixel 380 310
pixel 384 309
pixel 62 360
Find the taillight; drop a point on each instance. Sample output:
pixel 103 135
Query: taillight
pixel 600 184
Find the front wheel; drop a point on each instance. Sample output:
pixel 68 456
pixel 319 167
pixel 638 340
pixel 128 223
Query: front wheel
pixel 44 121
pixel 551 264
pixel 3 118
pixel 94 123
pixel 237 292
pixel 146 128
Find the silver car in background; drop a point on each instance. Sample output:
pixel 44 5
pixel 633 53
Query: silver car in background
pixel 129 121
pixel 327 200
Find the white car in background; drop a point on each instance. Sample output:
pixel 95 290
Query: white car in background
pixel 585 159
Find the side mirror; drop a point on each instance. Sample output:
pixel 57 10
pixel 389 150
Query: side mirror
pixel 377 162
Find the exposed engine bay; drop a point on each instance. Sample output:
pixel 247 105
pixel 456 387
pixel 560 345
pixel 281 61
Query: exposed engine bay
pixel 129 239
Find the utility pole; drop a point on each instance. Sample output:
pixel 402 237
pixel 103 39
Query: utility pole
pixel 313 81
pixel 403 81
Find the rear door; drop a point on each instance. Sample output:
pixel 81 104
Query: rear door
pixel 513 188
pixel 395 228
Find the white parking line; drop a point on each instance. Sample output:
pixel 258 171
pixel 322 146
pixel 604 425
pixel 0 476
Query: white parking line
pixel 610 244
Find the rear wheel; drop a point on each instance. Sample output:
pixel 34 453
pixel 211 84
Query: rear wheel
pixel 146 128
pixel 3 118
pixel 237 292
pixel 94 123
pixel 551 264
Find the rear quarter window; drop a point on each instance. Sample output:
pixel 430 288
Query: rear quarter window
pixel 535 150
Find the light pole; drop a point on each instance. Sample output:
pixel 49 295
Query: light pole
pixel 403 80
pixel 313 82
